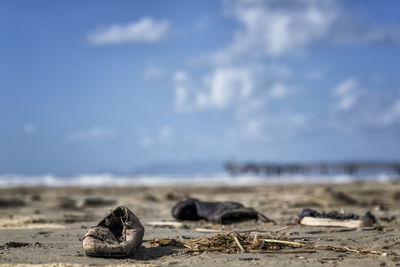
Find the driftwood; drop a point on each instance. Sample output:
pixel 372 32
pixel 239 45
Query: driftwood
pixel 311 221
pixel 171 224
pixel 312 217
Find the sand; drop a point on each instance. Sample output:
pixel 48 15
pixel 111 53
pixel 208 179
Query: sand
pixel 45 226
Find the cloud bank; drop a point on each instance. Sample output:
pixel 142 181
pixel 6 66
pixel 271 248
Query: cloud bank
pixel 241 77
pixel 280 27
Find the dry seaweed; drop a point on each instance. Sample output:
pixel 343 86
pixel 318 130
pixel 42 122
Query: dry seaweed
pixel 232 243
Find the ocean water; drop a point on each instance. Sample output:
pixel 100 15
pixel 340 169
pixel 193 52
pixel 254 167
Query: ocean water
pixel 109 179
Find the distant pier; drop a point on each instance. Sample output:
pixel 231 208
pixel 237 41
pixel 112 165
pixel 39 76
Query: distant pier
pixel 351 168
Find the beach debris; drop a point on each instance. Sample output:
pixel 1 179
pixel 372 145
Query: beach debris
pixel 312 217
pixel 97 202
pixel 150 197
pixel 117 235
pixel 166 224
pixel 216 212
pixel 207 230
pixel 11 202
pixel 234 242
pixel 170 196
pixel 15 244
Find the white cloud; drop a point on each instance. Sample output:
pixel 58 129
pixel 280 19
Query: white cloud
pixel 183 91
pixel 92 135
pixel 279 27
pixel 346 94
pixel 226 85
pixel 276 27
pixel 241 76
pixel 357 108
pixel 247 91
pixel 231 86
pixel 180 79
pixel 29 129
pixel 146 30
pixel 272 28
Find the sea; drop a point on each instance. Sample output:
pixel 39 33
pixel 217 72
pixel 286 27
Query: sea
pixel 193 179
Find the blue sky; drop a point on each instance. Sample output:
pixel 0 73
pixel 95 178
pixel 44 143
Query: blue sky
pixel 91 86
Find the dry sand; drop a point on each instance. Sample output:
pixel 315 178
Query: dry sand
pixel 46 225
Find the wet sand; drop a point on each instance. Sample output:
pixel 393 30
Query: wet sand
pixel 46 225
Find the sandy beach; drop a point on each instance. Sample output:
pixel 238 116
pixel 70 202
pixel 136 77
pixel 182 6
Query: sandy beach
pixel 45 225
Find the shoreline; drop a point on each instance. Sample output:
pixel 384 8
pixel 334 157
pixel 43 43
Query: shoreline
pixel 216 179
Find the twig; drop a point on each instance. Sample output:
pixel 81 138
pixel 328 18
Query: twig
pixel 256 241
pixel 205 230
pixel 297 251
pixel 265 231
pixel 283 242
pixel 227 228
pixel 220 221
pixel 166 224
pixel 264 218
pixel 238 243
pixel 354 250
pixel 284 228
pixel 205 250
pixel 252 231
